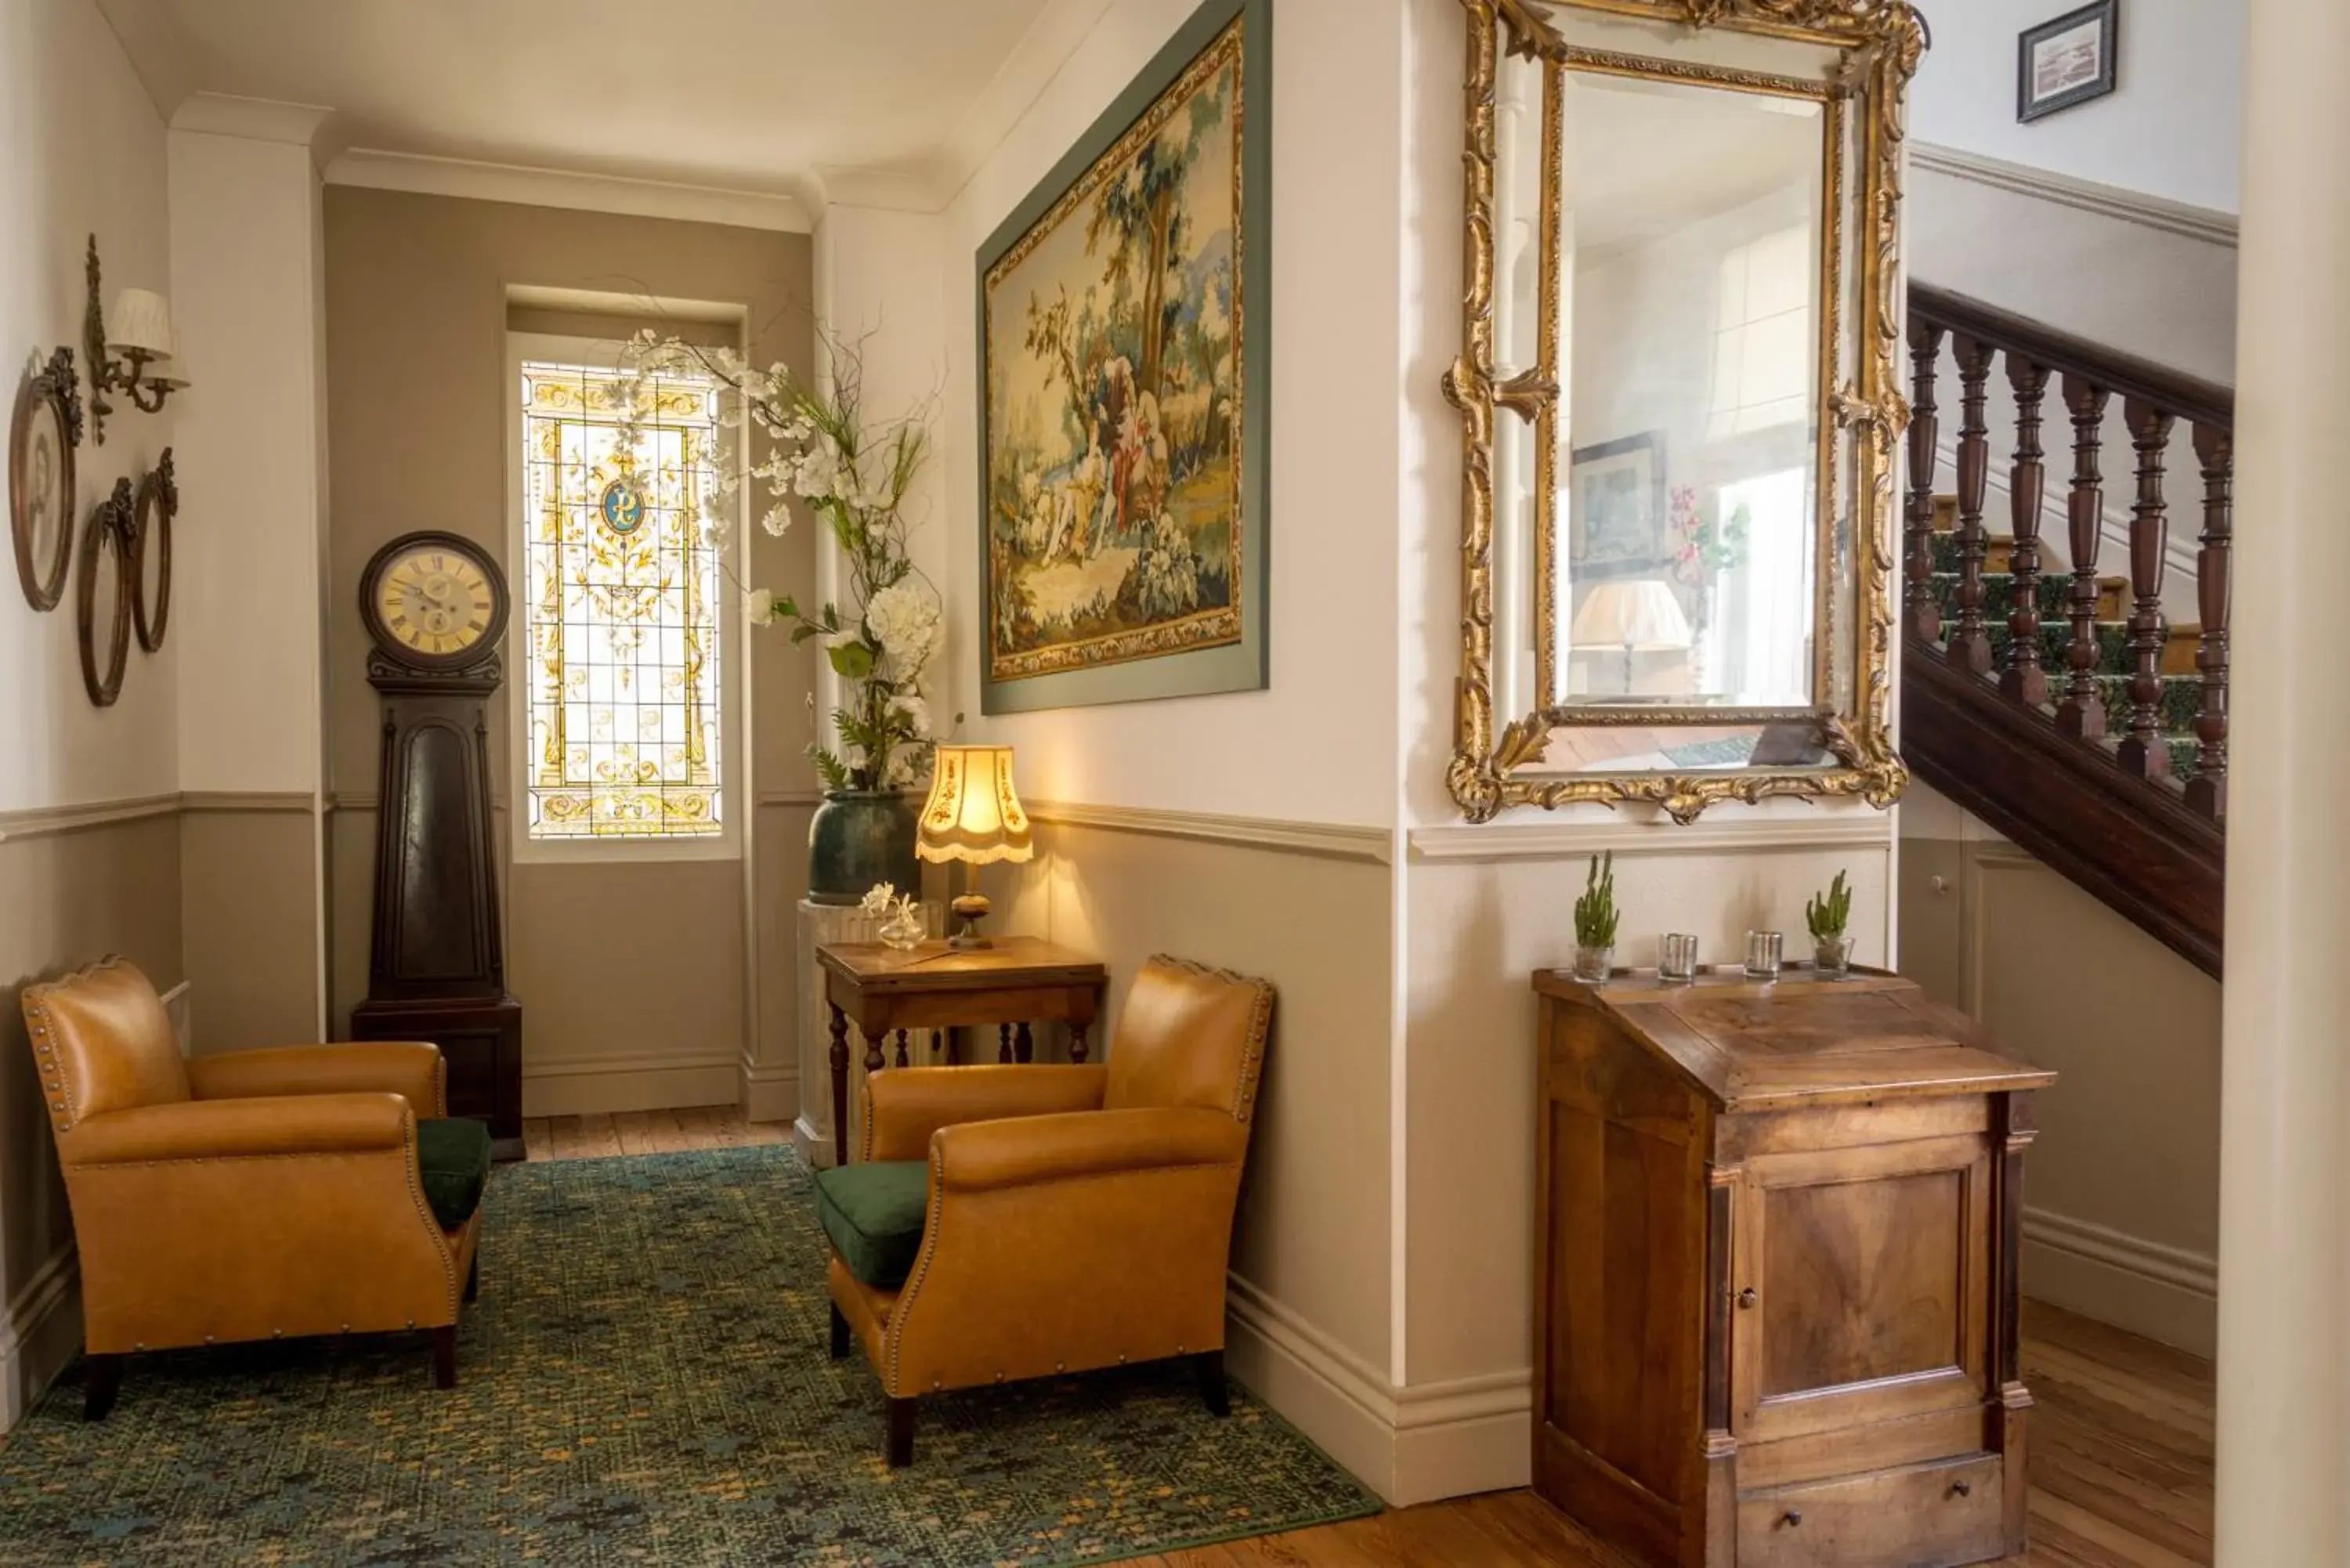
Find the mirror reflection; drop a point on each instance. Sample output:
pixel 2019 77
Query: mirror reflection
pixel 1682 551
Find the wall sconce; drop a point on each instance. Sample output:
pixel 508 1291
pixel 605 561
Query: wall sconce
pixel 137 357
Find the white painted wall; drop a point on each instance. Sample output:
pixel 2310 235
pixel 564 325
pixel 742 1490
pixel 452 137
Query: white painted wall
pixel 2170 129
pixel 81 151
pixel 246 253
pixel 1319 744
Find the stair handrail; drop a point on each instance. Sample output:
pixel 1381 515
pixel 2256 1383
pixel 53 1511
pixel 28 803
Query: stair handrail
pixel 2189 398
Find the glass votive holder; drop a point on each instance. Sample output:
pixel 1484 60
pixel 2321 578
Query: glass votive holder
pixel 1764 951
pixel 1677 957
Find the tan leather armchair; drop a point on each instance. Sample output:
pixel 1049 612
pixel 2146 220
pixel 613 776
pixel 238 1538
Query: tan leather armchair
pixel 1076 1217
pixel 253 1195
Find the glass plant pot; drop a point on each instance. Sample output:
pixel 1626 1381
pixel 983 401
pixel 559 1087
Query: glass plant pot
pixel 1592 965
pixel 1832 955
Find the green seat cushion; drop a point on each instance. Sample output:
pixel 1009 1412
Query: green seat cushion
pixel 452 1154
pixel 874 1214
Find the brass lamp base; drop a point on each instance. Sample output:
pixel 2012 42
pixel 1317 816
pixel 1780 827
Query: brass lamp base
pixel 970 908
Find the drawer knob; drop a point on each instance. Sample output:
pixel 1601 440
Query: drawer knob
pixel 1746 1297
pixel 1962 1488
pixel 1794 1516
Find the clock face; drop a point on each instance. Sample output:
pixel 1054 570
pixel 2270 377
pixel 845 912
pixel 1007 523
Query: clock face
pixel 434 600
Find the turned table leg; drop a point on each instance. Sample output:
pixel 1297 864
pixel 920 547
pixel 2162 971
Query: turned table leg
pixel 903 1060
pixel 1027 1046
pixel 839 1086
pixel 1077 1043
pixel 1003 1042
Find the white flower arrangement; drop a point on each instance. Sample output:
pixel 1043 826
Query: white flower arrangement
pixel 855 477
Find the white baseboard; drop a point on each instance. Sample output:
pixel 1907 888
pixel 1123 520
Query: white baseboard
pixel 39 1335
pixel 767 1093
pixel 815 1146
pixel 600 1085
pixel 2164 1293
pixel 1410 1445
pixel 1466 1435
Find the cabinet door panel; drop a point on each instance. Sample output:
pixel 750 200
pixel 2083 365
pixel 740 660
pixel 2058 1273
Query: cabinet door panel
pixel 1862 1283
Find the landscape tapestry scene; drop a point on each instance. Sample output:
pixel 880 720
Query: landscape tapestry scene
pixel 1114 398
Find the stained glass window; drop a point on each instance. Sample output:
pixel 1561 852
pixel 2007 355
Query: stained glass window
pixel 620 605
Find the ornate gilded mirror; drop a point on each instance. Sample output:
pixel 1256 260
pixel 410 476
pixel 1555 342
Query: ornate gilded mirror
pixel 1680 393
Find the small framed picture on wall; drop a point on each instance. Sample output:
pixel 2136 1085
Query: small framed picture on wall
pixel 2067 61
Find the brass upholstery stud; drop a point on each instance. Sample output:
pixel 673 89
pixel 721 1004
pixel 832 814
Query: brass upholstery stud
pixel 1060 1367
pixel 138 1345
pixel 208 1339
pixel 276 1333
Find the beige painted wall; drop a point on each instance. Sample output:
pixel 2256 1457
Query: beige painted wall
pixel 72 895
pixel 639 969
pixel 2122 1209
pixel 81 151
pixel 1313 1234
pixel 248 893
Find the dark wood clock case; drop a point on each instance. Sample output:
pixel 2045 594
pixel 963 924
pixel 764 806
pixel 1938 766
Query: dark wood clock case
pixel 436 966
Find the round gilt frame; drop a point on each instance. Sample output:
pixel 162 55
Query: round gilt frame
pixel 1493 767
pixel 52 390
pixel 399 652
pixel 111 525
pixel 157 504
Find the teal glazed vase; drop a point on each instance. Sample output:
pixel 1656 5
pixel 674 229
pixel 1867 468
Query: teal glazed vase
pixel 860 837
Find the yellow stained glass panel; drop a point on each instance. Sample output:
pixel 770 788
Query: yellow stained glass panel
pixel 621 602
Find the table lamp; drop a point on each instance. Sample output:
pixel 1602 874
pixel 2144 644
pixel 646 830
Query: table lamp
pixel 974 815
pixel 1637 616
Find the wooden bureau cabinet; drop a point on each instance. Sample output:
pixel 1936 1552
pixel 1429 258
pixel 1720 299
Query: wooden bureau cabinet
pixel 1776 1283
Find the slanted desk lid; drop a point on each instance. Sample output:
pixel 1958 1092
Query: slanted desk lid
pixel 1802 1040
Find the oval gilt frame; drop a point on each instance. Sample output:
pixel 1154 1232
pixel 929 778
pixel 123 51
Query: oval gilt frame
pixel 54 387
pixel 110 525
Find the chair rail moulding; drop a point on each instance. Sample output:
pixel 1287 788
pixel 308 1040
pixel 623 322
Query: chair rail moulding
pixel 1339 841
pixel 1678 502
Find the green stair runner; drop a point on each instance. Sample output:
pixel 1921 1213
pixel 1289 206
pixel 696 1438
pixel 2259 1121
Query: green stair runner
pixel 2182 695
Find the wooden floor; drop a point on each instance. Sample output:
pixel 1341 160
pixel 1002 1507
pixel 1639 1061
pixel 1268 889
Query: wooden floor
pixel 2120 1457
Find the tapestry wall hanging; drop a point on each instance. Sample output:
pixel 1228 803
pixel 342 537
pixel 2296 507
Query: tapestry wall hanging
pixel 1123 392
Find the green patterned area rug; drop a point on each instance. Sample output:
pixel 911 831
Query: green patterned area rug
pixel 644 1380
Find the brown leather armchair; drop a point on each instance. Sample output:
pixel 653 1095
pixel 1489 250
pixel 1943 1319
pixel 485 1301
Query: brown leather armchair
pixel 252 1195
pixel 1074 1217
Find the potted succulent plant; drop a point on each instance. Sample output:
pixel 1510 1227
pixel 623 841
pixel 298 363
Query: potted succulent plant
pixel 1595 920
pixel 1827 915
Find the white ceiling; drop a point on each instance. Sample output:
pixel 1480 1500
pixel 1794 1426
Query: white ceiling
pixel 736 95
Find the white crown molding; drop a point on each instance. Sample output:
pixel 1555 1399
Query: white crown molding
pixel 1336 841
pixel 2193 223
pixel 253 119
pixel 919 190
pixel 376 169
pixel 1815 828
pixel 1059 30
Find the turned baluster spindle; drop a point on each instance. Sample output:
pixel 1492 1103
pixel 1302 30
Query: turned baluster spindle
pixel 2082 715
pixel 1922 615
pixel 2206 791
pixel 2142 751
pixel 1970 646
pixel 2024 680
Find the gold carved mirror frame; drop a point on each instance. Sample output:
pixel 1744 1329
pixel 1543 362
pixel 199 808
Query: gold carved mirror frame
pixel 1876 44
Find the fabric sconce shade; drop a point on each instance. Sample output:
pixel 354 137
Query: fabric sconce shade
pixel 973 813
pixel 140 323
pixel 1641 614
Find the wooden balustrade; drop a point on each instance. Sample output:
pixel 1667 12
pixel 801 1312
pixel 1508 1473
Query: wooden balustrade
pixel 2091 380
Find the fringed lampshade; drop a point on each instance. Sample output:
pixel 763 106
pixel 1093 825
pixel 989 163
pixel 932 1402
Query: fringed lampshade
pixel 974 815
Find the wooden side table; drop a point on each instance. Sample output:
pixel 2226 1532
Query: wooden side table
pixel 1019 981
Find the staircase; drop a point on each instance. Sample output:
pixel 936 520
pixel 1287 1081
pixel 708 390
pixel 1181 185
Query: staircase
pixel 2060 703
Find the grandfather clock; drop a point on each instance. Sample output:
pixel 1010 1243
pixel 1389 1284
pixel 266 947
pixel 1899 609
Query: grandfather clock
pixel 435 605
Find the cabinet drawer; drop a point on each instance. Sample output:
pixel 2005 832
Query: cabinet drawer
pixel 1920 1516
